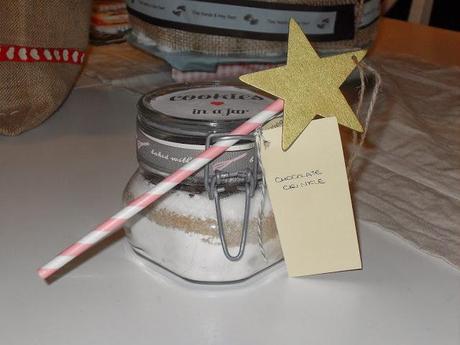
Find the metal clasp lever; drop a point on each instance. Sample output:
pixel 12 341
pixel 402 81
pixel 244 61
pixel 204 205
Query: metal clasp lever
pixel 215 184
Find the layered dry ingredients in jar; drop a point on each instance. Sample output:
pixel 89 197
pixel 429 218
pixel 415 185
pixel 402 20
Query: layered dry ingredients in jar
pixel 181 232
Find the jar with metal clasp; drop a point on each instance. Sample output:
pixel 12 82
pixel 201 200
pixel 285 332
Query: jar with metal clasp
pixel 217 226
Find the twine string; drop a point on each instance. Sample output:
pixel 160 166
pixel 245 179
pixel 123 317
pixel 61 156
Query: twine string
pixel 358 140
pixel 263 190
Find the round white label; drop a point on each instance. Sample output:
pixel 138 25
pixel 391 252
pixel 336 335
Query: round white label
pixel 211 103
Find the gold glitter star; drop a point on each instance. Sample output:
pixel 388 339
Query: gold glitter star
pixel 309 85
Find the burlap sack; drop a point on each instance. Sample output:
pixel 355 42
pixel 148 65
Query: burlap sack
pixel 33 82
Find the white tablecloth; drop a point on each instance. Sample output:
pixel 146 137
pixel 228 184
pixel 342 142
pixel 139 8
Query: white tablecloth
pixel 61 179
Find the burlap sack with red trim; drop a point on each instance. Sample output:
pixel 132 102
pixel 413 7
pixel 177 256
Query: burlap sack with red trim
pixel 42 44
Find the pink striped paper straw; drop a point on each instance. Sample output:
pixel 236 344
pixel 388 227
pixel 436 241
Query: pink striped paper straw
pixel 116 221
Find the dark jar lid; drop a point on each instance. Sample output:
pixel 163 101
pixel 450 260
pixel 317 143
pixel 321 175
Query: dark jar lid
pixel 174 121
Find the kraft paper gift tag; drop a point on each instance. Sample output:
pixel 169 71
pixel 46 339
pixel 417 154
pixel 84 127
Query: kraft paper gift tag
pixel 309 192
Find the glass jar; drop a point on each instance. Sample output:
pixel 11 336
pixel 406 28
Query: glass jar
pixel 218 225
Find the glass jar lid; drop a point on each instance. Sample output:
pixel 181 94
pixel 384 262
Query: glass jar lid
pixel 173 124
pixel 188 113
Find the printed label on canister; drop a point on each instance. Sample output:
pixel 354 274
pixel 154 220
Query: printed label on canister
pixel 217 103
pixel 255 19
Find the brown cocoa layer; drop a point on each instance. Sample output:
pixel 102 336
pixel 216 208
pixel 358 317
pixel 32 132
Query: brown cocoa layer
pixel 208 227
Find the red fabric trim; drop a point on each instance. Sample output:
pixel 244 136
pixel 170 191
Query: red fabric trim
pixel 31 54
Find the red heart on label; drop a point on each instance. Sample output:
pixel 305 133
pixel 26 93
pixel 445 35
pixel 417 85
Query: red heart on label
pixel 217 103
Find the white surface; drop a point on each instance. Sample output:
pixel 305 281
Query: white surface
pixel 61 179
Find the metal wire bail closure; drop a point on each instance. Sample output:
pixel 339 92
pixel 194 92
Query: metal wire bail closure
pixel 214 186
